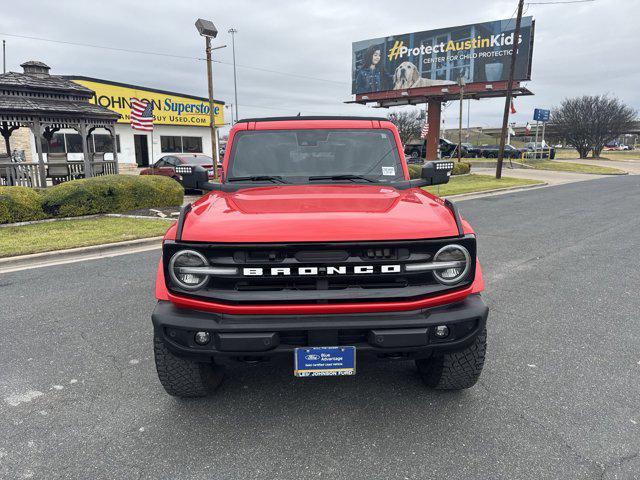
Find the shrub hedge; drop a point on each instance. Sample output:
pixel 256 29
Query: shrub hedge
pixel 458 169
pixel 461 168
pixel 105 194
pixel 20 204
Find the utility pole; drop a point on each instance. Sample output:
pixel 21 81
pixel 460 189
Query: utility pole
pixel 4 56
pixel 233 32
pixel 461 85
pixel 468 119
pixel 507 101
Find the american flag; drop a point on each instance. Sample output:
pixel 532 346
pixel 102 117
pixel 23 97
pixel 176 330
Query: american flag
pixel 141 115
pixel 425 130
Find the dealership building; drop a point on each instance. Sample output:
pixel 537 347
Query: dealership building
pixel 181 121
pixel 181 125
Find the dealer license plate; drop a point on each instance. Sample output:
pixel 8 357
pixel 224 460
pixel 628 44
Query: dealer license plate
pixel 324 361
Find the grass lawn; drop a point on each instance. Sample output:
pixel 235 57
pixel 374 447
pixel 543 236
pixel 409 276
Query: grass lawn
pixel 575 167
pixel 477 183
pixel 623 155
pixel 48 236
pixel 557 166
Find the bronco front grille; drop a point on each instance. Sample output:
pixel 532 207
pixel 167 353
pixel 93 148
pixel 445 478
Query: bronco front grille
pixel 319 273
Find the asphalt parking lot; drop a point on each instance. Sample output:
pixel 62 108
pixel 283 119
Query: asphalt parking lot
pixel 559 397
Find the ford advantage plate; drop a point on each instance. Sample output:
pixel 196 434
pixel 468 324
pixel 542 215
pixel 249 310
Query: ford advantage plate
pixel 324 361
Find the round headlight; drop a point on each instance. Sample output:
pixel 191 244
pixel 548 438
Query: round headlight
pixel 179 269
pixel 452 253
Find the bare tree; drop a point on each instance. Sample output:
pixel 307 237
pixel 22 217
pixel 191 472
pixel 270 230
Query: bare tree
pixel 588 123
pixel 408 125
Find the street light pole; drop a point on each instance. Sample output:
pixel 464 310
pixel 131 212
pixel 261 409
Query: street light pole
pixel 233 32
pixel 208 30
pixel 212 115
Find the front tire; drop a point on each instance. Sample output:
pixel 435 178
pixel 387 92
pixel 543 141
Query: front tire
pixel 182 377
pixel 456 370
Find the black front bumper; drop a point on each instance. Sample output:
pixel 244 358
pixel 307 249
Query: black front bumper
pixel 389 334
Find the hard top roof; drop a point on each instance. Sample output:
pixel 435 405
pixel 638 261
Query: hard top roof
pixel 303 118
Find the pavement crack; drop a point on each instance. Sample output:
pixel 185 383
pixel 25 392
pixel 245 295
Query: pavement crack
pixel 618 463
pixel 554 435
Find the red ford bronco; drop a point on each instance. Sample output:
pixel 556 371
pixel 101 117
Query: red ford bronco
pixel 318 247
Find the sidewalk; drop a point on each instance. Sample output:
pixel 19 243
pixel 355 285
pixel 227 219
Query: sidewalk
pixel 631 166
pixel 548 176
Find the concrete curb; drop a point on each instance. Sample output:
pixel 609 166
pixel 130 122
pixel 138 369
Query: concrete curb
pixel 85 217
pixel 48 220
pixel 23 262
pixel 488 193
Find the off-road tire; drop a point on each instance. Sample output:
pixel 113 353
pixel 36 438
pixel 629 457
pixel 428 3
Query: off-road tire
pixel 456 370
pixel 182 377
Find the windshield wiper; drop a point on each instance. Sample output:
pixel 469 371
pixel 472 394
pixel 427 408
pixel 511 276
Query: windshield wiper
pixel 258 178
pixel 341 177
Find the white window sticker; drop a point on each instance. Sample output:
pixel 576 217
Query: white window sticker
pixel 388 171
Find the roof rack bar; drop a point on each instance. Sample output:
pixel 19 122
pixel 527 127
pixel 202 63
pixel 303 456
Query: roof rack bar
pixel 183 214
pixel 456 215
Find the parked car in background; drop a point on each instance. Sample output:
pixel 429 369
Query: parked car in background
pixel 617 147
pixel 473 151
pixel 413 160
pixel 189 170
pixel 541 150
pixel 491 151
pixel 447 149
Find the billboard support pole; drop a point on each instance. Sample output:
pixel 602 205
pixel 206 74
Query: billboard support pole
pixel 507 101
pixel 433 135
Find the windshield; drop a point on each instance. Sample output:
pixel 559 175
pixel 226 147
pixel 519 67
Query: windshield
pixel 297 155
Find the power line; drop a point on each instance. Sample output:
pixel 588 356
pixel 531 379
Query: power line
pixel 260 69
pixel 559 2
pixel 171 55
pixel 102 47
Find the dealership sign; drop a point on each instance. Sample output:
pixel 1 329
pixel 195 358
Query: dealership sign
pixel 541 115
pixel 168 108
pixel 479 53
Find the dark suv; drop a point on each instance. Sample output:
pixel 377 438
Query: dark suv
pixel 448 149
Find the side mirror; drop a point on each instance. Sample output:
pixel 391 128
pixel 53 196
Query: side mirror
pixel 436 173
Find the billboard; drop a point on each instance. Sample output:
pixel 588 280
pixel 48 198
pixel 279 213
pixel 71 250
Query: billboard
pixel 478 52
pixel 168 108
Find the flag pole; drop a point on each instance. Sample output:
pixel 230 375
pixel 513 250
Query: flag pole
pixel 152 161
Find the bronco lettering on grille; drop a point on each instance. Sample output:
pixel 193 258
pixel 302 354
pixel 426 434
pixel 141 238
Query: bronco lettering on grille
pixel 328 270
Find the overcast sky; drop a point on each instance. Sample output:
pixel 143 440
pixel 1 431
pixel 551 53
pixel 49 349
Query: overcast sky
pixel 585 48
